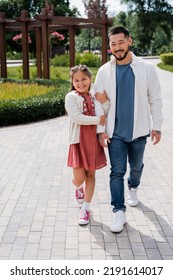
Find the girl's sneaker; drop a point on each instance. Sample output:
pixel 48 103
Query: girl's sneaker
pixel 84 216
pixel 79 195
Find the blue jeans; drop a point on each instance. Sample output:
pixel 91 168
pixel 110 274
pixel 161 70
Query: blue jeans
pixel 119 152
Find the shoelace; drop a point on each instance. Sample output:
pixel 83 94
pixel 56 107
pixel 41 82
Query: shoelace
pixel 80 194
pixel 118 217
pixel 84 214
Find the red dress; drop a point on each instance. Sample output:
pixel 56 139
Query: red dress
pixel 88 153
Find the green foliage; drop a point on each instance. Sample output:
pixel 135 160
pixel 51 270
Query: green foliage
pixel 120 19
pixel 14 55
pixel 17 73
pixel 83 40
pixel 61 60
pixel 161 43
pixel 167 58
pixel 90 59
pixel 87 41
pixel 148 18
pixel 165 67
pixel 34 108
pixel 12 8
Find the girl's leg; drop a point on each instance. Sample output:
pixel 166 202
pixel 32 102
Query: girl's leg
pixel 89 185
pixel 89 191
pixel 79 175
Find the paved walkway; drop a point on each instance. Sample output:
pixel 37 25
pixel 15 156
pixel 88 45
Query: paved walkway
pixel 38 212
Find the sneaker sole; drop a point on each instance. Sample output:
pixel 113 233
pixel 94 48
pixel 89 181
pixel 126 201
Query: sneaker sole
pixel 83 223
pixel 133 203
pixel 118 230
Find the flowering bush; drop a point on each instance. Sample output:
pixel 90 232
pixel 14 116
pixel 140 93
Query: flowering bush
pixel 55 37
pixel 18 39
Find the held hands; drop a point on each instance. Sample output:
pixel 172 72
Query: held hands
pixel 103 139
pixel 155 136
pixel 101 96
pixel 102 120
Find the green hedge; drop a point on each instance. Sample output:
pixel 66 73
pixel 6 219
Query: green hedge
pixel 90 59
pixel 34 109
pixel 167 58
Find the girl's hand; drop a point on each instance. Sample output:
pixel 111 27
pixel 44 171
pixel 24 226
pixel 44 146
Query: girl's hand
pixel 102 120
pixel 103 139
pixel 101 97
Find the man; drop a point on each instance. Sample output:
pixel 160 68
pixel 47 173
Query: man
pixel 134 94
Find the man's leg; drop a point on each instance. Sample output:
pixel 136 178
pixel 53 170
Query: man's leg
pixel 135 156
pixel 118 150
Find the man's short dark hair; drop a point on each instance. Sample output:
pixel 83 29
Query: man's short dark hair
pixel 118 30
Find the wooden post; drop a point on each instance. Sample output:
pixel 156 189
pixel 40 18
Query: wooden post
pixel 44 18
pixel 3 46
pixel 38 52
pixel 25 42
pixel 104 42
pixel 72 45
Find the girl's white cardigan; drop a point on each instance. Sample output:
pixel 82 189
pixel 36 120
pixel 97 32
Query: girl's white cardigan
pixel 74 108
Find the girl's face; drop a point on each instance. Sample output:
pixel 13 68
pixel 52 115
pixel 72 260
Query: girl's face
pixel 81 82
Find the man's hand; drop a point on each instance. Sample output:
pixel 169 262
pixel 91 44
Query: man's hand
pixel 101 96
pixel 103 139
pixel 155 136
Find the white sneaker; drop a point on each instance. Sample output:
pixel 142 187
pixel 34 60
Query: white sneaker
pixel 132 198
pixel 119 219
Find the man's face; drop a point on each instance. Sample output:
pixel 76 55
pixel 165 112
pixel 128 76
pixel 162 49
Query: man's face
pixel 120 45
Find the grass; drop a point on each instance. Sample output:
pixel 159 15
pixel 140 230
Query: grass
pixel 13 91
pixel 59 72
pixel 166 67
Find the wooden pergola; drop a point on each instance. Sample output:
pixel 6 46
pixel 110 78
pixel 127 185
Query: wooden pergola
pixel 43 24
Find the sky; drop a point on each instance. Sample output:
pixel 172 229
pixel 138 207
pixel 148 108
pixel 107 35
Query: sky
pixel 114 6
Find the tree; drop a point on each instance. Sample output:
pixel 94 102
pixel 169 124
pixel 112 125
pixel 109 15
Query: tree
pixel 149 15
pixel 12 8
pixel 120 19
pixel 83 42
pixel 95 8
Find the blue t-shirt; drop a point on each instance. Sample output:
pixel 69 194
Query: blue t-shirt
pixel 125 81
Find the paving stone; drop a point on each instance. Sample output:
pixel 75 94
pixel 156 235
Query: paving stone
pixel 126 254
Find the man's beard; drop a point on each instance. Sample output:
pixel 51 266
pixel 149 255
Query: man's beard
pixel 120 58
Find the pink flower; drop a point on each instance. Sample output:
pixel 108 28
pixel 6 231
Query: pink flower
pixel 56 35
pixel 18 38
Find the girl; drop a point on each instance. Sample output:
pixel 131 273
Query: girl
pixel 85 153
